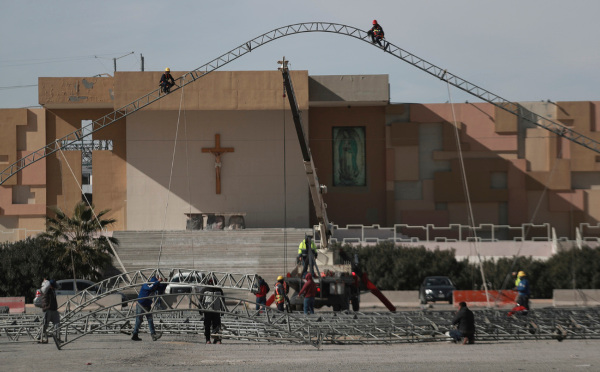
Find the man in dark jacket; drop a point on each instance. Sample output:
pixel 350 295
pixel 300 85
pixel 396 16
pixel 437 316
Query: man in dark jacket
pixel 310 292
pixel 465 322
pixel 167 81
pixel 144 306
pixel 376 33
pixel 261 295
pixel 211 303
pixel 50 308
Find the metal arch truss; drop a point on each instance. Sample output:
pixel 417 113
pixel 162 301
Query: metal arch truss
pixel 135 279
pixel 278 33
pixel 344 328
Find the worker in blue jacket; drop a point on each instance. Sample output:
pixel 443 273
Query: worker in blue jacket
pixel 523 289
pixel 144 306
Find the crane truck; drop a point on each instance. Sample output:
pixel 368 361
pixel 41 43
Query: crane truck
pixel 337 276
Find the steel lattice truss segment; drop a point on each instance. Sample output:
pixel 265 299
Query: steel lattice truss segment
pixel 135 279
pixel 270 325
pixel 276 322
pixel 278 33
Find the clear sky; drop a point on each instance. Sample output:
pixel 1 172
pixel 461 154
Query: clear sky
pixel 526 50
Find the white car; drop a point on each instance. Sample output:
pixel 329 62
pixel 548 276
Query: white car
pixel 183 282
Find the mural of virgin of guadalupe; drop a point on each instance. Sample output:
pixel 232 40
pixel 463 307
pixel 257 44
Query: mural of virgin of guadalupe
pixel 349 157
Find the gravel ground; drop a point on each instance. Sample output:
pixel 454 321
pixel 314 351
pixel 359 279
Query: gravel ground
pixel 189 353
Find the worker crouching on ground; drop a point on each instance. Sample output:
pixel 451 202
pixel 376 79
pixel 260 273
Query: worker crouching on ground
pixel 303 254
pixel 465 320
pixel 211 302
pixel 166 81
pixel 280 293
pixel 376 33
pixel 523 289
pixel 144 306
pixel 309 290
pixel 261 295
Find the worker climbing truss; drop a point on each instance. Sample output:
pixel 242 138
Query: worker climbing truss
pixel 278 33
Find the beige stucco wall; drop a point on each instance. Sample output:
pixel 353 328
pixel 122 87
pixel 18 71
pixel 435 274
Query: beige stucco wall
pixel 252 175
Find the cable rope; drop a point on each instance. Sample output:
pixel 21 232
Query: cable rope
pixel 105 231
pixel 162 238
pixel 526 232
pixel 465 184
pixel 187 167
pixel 285 252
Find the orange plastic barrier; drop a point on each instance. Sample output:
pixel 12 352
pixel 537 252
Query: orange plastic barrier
pixel 477 298
pixel 16 305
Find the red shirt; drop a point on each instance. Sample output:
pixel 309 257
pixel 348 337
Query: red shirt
pixel 262 291
pixel 310 288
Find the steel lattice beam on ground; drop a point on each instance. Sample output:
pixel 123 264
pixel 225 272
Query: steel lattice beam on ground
pixel 242 323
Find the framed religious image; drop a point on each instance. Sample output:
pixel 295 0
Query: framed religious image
pixel 349 156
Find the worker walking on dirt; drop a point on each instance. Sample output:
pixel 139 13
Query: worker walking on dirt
pixel 280 293
pixel 309 290
pixel 261 295
pixel 465 322
pixel 166 81
pixel 376 33
pixel 211 303
pixel 523 288
pixel 303 254
pixel 144 306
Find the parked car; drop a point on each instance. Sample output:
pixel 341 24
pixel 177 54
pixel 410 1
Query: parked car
pixel 436 288
pixel 182 282
pixel 66 288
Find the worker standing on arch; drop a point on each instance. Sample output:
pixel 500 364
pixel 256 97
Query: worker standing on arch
pixel 166 81
pixel 376 33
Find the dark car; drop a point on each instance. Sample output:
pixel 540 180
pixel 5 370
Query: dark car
pixel 436 288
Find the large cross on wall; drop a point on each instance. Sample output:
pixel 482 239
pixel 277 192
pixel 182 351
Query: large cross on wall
pixel 217 151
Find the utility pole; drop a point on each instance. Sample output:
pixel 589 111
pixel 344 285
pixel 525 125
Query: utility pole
pixel 142 58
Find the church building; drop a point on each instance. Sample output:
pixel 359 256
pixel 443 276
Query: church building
pixel 224 150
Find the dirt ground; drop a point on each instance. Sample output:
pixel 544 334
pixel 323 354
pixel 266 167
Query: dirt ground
pixel 190 353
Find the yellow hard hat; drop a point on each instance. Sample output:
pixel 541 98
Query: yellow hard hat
pixel 521 273
pixel 168 69
pixel 280 277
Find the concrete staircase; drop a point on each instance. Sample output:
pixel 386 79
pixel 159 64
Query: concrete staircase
pixel 250 251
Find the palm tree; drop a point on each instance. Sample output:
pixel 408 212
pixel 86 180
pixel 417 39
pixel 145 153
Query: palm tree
pixel 79 238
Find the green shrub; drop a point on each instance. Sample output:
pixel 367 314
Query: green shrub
pixel 400 267
pixel 23 266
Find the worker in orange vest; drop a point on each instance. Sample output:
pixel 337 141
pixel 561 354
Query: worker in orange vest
pixel 280 293
pixel 376 33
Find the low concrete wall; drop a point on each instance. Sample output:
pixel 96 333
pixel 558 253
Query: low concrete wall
pixel 579 297
pixel 397 298
pixel 16 305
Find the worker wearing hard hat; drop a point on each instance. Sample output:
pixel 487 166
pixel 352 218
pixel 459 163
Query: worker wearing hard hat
pixel 376 33
pixel 280 293
pixel 523 289
pixel 166 81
